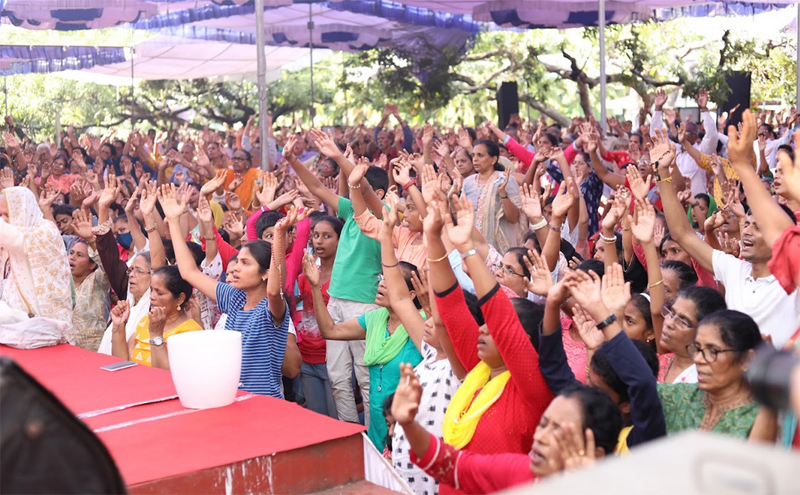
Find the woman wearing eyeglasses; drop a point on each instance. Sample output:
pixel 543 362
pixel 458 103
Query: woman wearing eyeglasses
pixel 681 317
pixel 720 401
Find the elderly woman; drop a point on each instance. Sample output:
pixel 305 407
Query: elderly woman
pixel 38 283
pixel 496 199
pixel 720 401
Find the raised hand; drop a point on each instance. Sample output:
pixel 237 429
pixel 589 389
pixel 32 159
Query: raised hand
pixel 660 99
pixel 237 181
pixel 702 100
pixel 429 183
pixel 502 187
pixel 640 188
pixel 662 154
pixel 464 139
pixel 204 213
pixel 310 269
pixel 427 135
pixel 421 291
pixel 148 198
pixel 563 201
pixel 215 183
pixel 531 202
pixel 587 328
pixel 402 173
pixel 615 291
pixel 714 222
pixel 325 143
pixel 173 204
pixel 111 191
pixel 586 289
pixel 407 395
pixel 576 447
pixel 390 215
pixel 740 144
pixel 120 315
pixel 7 178
pixel 269 186
pixel 643 224
pixel 541 279
pixel 233 201
pixel 461 234
pixel 357 174
pixel 82 224
pixel 434 221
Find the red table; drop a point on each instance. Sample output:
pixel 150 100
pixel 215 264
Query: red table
pixel 257 444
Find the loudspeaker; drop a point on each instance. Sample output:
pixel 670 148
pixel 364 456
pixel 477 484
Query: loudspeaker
pixel 507 103
pixel 44 448
pixel 739 82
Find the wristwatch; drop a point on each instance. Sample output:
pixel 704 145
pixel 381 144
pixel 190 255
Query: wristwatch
pixel 157 341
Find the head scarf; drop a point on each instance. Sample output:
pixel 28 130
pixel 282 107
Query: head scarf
pixel 712 208
pixel 41 278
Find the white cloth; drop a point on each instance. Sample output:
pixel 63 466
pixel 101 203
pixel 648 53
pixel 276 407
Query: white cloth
pixel 686 164
pixel 439 385
pixel 209 313
pixel 762 299
pixel 771 152
pixel 689 375
pixel 138 311
pixel 40 281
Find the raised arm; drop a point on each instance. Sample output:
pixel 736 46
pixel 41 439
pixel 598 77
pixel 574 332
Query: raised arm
pixel 174 207
pixel 347 330
pixel 401 299
pixel 680 229
pixel 770 217
pixel 310 180
pixel 609 178
pixel 561 206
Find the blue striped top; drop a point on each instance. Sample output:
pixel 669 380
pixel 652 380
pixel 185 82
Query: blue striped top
pixel 263 344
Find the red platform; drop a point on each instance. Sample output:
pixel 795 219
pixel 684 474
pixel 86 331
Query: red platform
pixel 256 445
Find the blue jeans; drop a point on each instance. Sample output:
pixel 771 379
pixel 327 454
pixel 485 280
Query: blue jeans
pixel 317 389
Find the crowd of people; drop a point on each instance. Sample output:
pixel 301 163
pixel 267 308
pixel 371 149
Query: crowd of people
pixel 494 305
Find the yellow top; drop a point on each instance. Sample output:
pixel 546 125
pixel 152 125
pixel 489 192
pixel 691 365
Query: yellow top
pixel 622 441
pixel 141 349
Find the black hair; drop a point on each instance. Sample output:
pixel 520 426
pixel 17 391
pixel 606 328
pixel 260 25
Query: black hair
pixel 336 223
pixel 531 236
pixel 261 251
pixel 197 252
pixel 704 197
pixel 267 220
pixel 553 139
pixel 593 265
pixel 408 270
pixel 386 407
pixel 120 218
pixel 112 149
pixel 247 154
pixel 474 307
pixel 492 149
pixel 706 300
pixel 377 178
pixel 643 306
pixel 530 316
pixel 67 210
pixel 333 164
pixel 600 415
pixel 174 283
pixel 602 367
pixel 169 250
pixel 472 133
pixel 194 185
pixel 687 276
pixel 738 330
pixel 469 155
pixel 769 129
pixel 789 212
pixel 521 253
pixel 788 149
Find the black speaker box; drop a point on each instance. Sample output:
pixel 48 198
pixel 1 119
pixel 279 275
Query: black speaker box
pixel 507 103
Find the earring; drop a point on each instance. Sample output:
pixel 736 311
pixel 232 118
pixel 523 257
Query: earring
pixel 179 308
pixel 650 338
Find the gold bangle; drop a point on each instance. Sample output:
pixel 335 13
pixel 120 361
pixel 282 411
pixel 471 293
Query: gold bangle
pixel 668 179
pixel 438 259
pixel 150 229
pixel 656 284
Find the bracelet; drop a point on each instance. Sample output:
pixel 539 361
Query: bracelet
pixel 626 229
pixel 390 266
pixel 554 228
pixel 503 197
pixel 608 321
pixel 353 187
pixel 656 284
pixel 668 179
pixel 209 237
pixel 469 253
pixel 608 239
pixel 150 229
pixel 538 225
pixel 438 259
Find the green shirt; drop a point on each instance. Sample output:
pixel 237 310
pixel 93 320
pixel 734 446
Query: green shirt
pixel 358 261
pixel 685 408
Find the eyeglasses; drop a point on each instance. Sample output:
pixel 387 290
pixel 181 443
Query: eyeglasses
pixel 667 312
pixel 509 271
pixel 709 353
pixel 138 271
pixel 380 277
pixel 239 159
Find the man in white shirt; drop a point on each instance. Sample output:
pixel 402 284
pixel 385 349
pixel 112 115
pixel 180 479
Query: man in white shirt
pixel 771 153
pixel 708 145
pixel 749 285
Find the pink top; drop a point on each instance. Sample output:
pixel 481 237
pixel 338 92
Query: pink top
pixel 408 244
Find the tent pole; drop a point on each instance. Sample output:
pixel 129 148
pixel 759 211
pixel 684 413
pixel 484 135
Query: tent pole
pixel 311 110
pixel 133 106
pixel 602 18
pixel 5 92
pixel 262 86
pixel 797 62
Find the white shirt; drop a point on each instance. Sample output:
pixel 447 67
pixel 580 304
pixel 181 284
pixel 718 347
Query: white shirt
pixel 771 152
pixel 763 299
pixel 686 164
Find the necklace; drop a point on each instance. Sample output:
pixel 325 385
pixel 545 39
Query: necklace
pixel 714 413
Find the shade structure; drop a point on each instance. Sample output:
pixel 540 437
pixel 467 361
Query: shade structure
pixel 15 59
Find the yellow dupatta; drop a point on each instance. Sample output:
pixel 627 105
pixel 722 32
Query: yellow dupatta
pixel 463 413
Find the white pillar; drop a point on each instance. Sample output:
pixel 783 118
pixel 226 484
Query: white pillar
pixel 262 86
pixel 602 18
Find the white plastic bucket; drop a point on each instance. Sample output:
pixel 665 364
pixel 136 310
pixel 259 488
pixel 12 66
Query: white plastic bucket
pixel 206 367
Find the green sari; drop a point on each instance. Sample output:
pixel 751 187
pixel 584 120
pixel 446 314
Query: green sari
pixel 685 408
